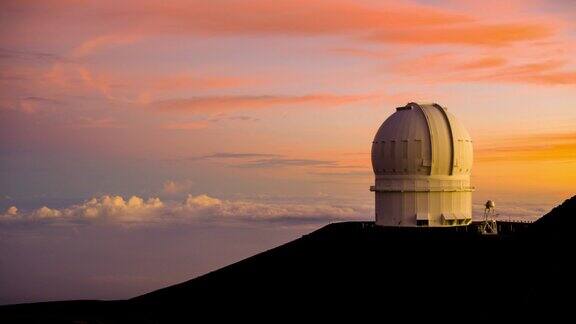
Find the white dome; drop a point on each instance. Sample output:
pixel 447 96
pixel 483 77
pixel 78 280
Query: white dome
pixel 422 139
pixel 422 158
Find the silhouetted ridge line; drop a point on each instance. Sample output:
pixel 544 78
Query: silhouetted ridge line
pixel 366 270
pixel 560 220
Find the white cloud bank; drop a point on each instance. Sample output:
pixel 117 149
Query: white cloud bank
pixel 111 209
pixel 201 208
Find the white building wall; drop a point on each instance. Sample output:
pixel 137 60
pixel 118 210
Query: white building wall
pixel 441 203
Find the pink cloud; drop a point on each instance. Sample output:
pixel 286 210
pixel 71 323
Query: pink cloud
pixel 90 122
pixel 193 125
pixel 99 42
pixel 212 104
pixel 186 81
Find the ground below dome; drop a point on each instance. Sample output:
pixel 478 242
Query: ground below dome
pixel 356 267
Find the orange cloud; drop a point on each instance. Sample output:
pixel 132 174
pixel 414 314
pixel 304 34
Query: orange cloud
pixel 536 147
pixel 211 104
pixel 529 69
pixel 219 17
pixel 389 21
pixel 299 16
pixel 386 21
pixel 94 44
pixel 565 78
pixel 483 63
pixel 468 34
pixel 546 73
pixel 437 63
pixel 448 67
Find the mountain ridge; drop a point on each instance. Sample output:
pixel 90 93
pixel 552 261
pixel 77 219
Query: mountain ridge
pixel 355 266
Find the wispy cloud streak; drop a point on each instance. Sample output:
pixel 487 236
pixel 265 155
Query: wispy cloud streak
pixel 216 104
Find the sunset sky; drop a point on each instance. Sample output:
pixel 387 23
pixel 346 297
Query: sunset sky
pixel 143 143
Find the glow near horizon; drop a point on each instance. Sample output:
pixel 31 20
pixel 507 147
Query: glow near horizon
pixel 121 98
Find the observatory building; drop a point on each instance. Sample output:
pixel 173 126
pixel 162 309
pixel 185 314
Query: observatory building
pixel 422 158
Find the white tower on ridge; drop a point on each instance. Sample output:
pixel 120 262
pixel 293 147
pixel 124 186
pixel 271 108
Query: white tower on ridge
pixel 422 158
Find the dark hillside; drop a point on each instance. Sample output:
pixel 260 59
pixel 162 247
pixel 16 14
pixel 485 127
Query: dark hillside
pixel 356 267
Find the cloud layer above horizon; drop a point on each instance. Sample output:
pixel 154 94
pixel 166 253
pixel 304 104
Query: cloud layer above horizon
pixel 203 209
pixel 115 210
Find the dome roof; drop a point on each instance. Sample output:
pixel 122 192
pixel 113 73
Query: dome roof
pixel 422 139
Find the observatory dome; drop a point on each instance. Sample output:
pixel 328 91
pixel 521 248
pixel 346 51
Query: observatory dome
pixel 422 159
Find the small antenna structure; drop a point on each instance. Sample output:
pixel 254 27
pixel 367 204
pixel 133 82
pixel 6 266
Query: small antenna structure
pixel 488 226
